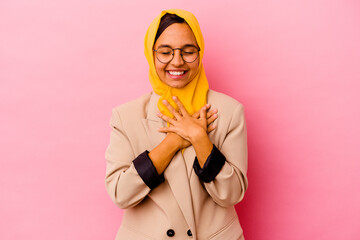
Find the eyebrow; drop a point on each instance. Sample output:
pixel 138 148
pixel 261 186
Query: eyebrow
pixel 186 45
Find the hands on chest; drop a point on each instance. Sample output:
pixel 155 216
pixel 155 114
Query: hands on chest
pixel 182 131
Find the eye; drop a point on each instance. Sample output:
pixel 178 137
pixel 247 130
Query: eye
pixel 190 50
pixel 164 51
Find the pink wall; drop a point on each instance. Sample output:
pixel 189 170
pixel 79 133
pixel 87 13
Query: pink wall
pixel 294 64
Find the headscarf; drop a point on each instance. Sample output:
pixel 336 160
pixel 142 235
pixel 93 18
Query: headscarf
pixel 194 94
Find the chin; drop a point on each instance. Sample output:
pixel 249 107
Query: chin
pixel 176 84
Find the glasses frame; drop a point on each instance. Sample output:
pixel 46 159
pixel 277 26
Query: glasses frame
pixel 173 53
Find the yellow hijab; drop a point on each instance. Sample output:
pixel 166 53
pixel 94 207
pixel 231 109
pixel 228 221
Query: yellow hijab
pixel 193 95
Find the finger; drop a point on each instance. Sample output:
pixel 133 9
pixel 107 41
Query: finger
pixel 181 106
pixel 211 128
pixel 212 118
pixel 166 129
pixel 197 114
pixel 203 112
pixel 210 113
pixel 166 118
pixel 171 109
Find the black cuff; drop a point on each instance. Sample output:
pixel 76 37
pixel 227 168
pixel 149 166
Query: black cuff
pixel 147 171
pixel 212 166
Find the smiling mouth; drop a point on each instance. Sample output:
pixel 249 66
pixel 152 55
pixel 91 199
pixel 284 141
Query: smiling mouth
pixel 177 73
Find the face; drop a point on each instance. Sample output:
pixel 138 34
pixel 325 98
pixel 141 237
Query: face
pixel 177 73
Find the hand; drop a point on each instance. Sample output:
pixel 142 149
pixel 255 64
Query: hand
pixel 186 126
pixel 211 117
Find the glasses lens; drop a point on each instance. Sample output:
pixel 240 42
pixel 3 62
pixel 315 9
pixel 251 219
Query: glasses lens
pixel 164 54
pixel 190 54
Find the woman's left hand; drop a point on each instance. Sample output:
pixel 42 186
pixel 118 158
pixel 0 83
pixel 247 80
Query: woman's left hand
pixel 188 127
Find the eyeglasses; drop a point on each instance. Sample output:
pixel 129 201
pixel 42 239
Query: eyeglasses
pixel 165 54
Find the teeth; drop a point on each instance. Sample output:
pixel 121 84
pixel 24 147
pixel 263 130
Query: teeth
pixel 176 72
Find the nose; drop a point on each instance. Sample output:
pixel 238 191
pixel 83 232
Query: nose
pixel 177 59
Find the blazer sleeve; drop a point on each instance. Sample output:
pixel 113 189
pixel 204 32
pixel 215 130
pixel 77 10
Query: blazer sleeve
pixel 129 178
pixel 224 172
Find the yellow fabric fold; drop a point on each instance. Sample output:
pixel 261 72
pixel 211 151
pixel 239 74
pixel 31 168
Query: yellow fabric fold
pixel 193 95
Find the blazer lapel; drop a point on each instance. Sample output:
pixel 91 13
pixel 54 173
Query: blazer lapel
pixel 177 171
pixel 189 157
pixel 152 122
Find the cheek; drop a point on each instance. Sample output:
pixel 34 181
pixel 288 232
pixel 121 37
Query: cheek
pixel 194 66
pixel 158 67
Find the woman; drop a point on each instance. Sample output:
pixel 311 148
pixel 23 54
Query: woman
pixel 177 175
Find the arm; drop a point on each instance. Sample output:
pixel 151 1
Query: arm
pixel 222 171
pixel 162 154
pixel 123 182
pixel 130 178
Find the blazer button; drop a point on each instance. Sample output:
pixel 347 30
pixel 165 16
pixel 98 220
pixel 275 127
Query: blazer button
pixel 189 233
pixel 170 233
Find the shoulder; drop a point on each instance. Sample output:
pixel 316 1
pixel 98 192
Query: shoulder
pixel 230 111
pixel 223 102
pixel 231 118
pixel 131 112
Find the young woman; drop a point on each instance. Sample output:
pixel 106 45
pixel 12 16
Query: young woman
pixel 177 174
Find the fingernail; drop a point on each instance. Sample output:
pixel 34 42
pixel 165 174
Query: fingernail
pixel 174 97
pixel 164 101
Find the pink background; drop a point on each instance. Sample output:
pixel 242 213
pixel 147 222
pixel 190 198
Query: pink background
pixel 64 64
